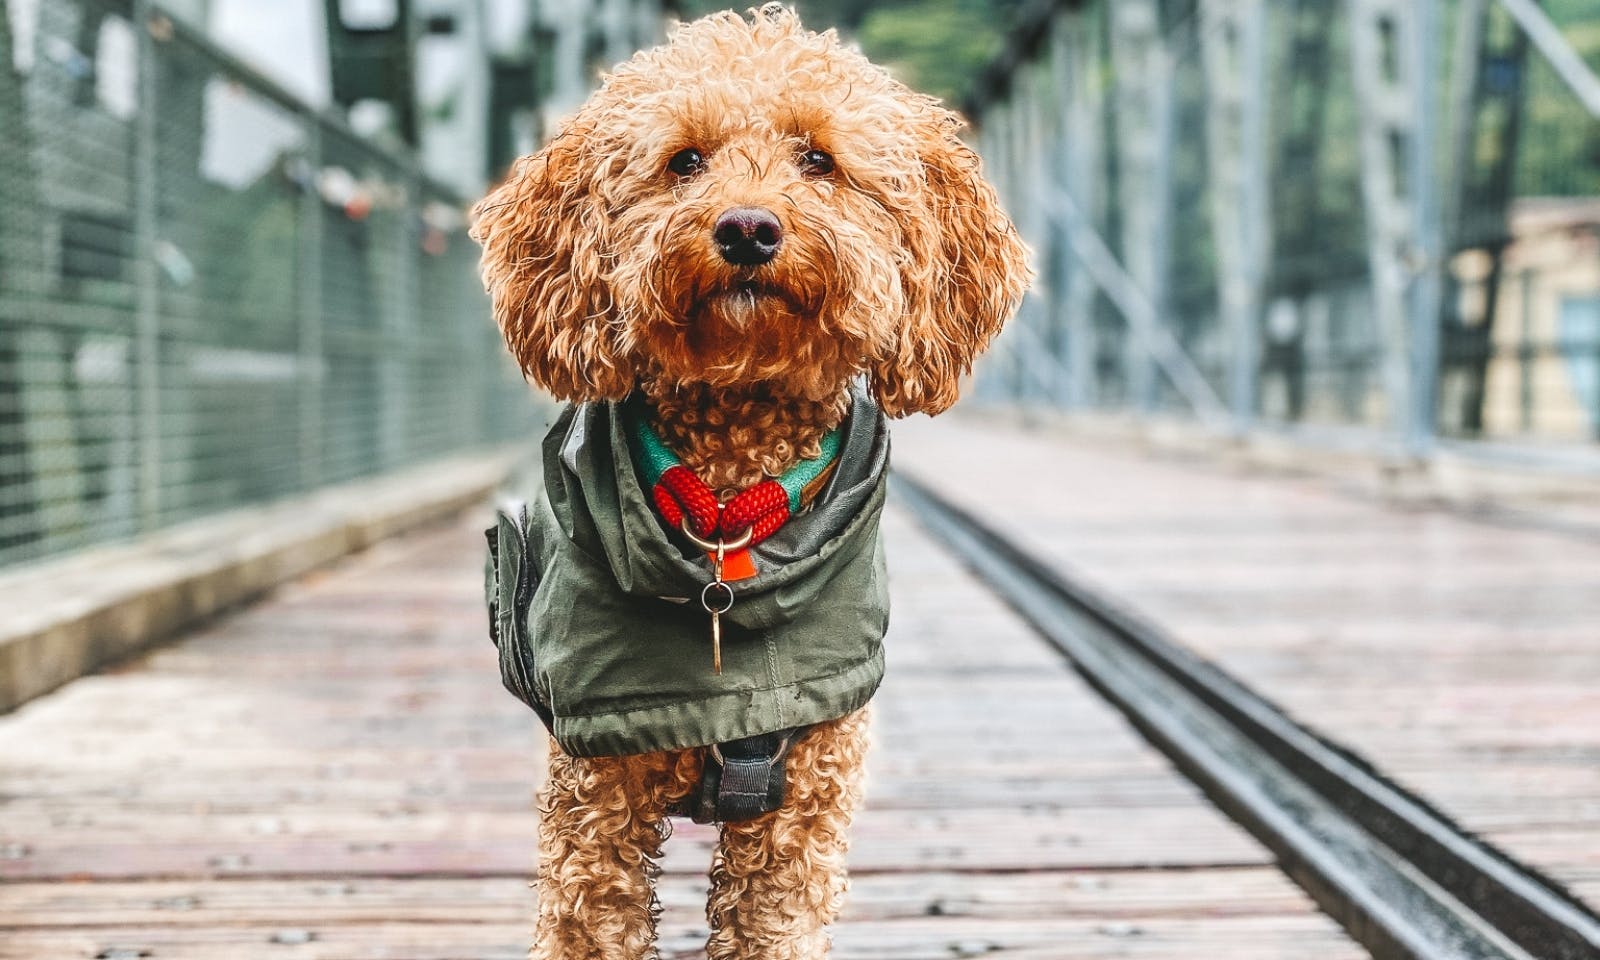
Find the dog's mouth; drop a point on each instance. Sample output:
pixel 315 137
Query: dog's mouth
pixel 759 295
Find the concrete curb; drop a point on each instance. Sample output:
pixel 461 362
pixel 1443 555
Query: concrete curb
pixel 64 618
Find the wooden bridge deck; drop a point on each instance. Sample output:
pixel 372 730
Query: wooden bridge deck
pixel 336 773
pixel 1459 655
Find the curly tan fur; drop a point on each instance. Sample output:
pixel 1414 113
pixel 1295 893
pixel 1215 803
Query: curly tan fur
pixel 779 880
pixel 601 826
pixel 776 881
pixel 896 265
pixel 734 438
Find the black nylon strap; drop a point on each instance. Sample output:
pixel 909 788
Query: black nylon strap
pixel 749 787
pixel 743 779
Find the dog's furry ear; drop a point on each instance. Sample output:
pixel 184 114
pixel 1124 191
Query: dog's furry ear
pixel 544 237
pixel 966 276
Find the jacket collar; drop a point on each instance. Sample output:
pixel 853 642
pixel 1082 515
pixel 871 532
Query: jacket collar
pixel 599 500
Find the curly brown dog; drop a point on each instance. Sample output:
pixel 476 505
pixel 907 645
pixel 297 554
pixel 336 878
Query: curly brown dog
pixel 737 226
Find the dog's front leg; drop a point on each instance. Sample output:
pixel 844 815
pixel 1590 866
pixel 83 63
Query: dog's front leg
pixel 601 827
pixel 779 880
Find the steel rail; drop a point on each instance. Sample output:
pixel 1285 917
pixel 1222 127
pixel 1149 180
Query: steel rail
pixel 1403 880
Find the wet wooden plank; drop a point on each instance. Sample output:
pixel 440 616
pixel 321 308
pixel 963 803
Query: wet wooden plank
pixel 1103 895
pixel 1460 657
pixel 336 773
pixel 1252 938
pixel 1038 837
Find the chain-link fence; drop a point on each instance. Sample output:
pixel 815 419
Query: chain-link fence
pixel 211 295
pixel 1374 214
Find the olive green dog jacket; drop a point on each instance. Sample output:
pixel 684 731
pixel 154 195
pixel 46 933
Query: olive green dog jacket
pixel 594 602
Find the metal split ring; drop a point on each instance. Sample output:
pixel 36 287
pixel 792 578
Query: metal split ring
pixel 740 543
pixel 706 602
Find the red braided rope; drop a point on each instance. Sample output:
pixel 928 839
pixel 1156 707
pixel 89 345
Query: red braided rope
pixel 763 508
pixel 680 492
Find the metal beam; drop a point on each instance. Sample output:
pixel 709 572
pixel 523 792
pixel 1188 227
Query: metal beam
pixel 1143 90
pixel 147 279
pixel 1389 99
pixel 1081 173
pixel 309 312
pixel 1488 93
pixel 1557 51
pixel 1144 321
pixel 1233 46
pixel 1427 260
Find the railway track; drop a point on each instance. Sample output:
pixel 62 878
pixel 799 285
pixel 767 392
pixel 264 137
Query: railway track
pixel 1404 880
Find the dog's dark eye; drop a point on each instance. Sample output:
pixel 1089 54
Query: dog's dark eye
pixel 818 163
pixel 686 162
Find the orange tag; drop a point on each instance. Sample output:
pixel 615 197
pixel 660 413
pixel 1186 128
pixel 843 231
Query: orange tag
pixel 736 565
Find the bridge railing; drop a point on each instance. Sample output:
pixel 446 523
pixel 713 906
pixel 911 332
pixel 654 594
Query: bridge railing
pixel 210 293
pixel 1373 221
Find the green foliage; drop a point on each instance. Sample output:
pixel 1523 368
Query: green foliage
pixel 936 46
pixel 1559 150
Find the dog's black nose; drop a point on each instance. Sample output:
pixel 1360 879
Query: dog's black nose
pixel 748 236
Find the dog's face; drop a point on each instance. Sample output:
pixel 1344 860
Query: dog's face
pixel 751 204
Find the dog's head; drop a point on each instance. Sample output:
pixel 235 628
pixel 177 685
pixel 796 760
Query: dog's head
pixel 751 203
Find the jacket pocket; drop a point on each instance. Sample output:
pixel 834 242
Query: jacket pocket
pixel 511 576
